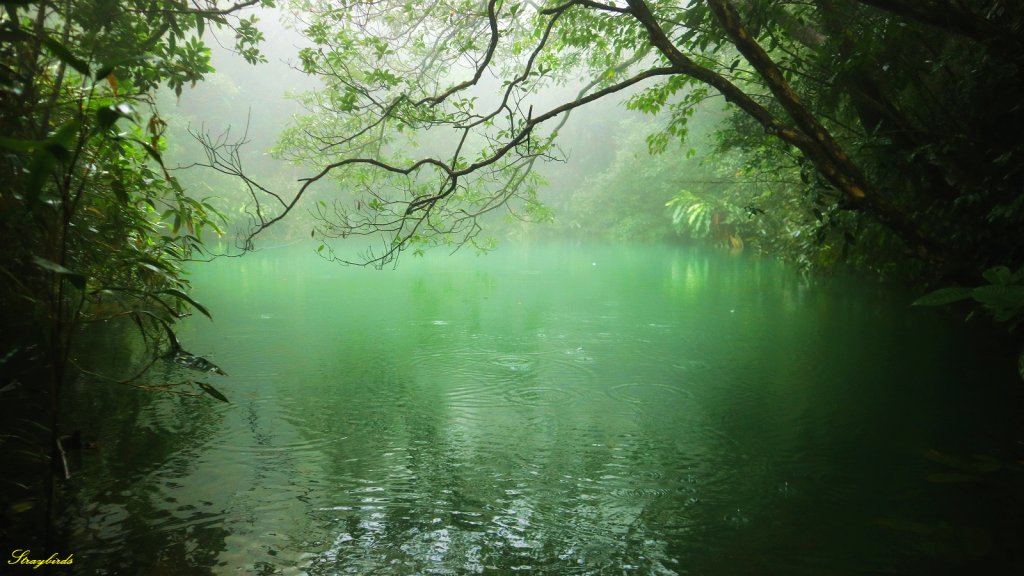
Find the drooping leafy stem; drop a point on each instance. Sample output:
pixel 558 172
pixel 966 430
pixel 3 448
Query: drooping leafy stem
pixel 95 226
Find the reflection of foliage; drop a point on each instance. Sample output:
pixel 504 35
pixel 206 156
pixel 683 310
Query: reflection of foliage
pixel 173 426
pixel 95 227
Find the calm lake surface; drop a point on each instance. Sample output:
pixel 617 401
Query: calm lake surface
pixel 552 409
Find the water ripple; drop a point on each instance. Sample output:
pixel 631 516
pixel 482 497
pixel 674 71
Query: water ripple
pixel 494 379
pixel 647 392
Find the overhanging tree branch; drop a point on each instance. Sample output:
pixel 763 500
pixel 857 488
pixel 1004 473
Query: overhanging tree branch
pixel 808 134
pixel 363 131
pixel 452 173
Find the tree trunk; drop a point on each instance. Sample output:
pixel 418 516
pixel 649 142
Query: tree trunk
pixel 806 133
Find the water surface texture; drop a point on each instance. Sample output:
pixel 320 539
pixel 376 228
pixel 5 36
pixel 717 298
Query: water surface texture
pixel 561 410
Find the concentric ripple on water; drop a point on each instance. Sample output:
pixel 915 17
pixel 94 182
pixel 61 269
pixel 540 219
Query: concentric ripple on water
pixel 494 379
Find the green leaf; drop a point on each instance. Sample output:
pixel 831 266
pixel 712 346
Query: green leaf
pixel 173 23
pixel 19 145
pixel 153 152
pixel 997 275
pixel 213 392
pixel 157 264
pixel 23 506
pixel 104 71
pixel 108 115
pixel 185 297
pixel 55 147
pixel 120 191
pixel 944 296
pixel 65 56
pixel 76 279
pixel 62 141
pixel 998 296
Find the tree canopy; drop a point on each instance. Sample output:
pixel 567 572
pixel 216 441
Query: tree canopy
pixel 901 121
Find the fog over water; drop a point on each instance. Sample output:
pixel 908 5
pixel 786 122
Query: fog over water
pixel 550 408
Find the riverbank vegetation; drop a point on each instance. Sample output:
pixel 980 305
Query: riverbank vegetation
pixel 95 226
pixel 877 135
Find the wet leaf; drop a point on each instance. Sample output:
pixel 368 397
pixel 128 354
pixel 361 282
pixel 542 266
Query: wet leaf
pixel 193 362
pixel 997 275
pixel 108 115
pixel 76 279
pixel 19 145
pixel 1000 296
pixel 944 296
pixel 120 191
pixel 157 264
pixel 65 56
pixel 103 72
pixel 60 143
pixel 185 297
pixel 153 153
pixel 213 392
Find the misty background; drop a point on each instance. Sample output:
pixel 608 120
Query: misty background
pixel 595 192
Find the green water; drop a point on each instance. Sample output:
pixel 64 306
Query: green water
pixel 558 409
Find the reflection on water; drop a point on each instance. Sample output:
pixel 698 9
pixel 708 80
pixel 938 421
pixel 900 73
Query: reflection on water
pixel 563 410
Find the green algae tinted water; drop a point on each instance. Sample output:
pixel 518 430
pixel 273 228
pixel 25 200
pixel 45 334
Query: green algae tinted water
pixel 551 409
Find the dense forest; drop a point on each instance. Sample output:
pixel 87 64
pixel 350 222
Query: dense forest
pixel 878 136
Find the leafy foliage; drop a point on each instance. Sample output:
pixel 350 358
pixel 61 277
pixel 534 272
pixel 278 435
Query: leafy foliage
pixel 860 101
pixel 95 226
pixel 1002 296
